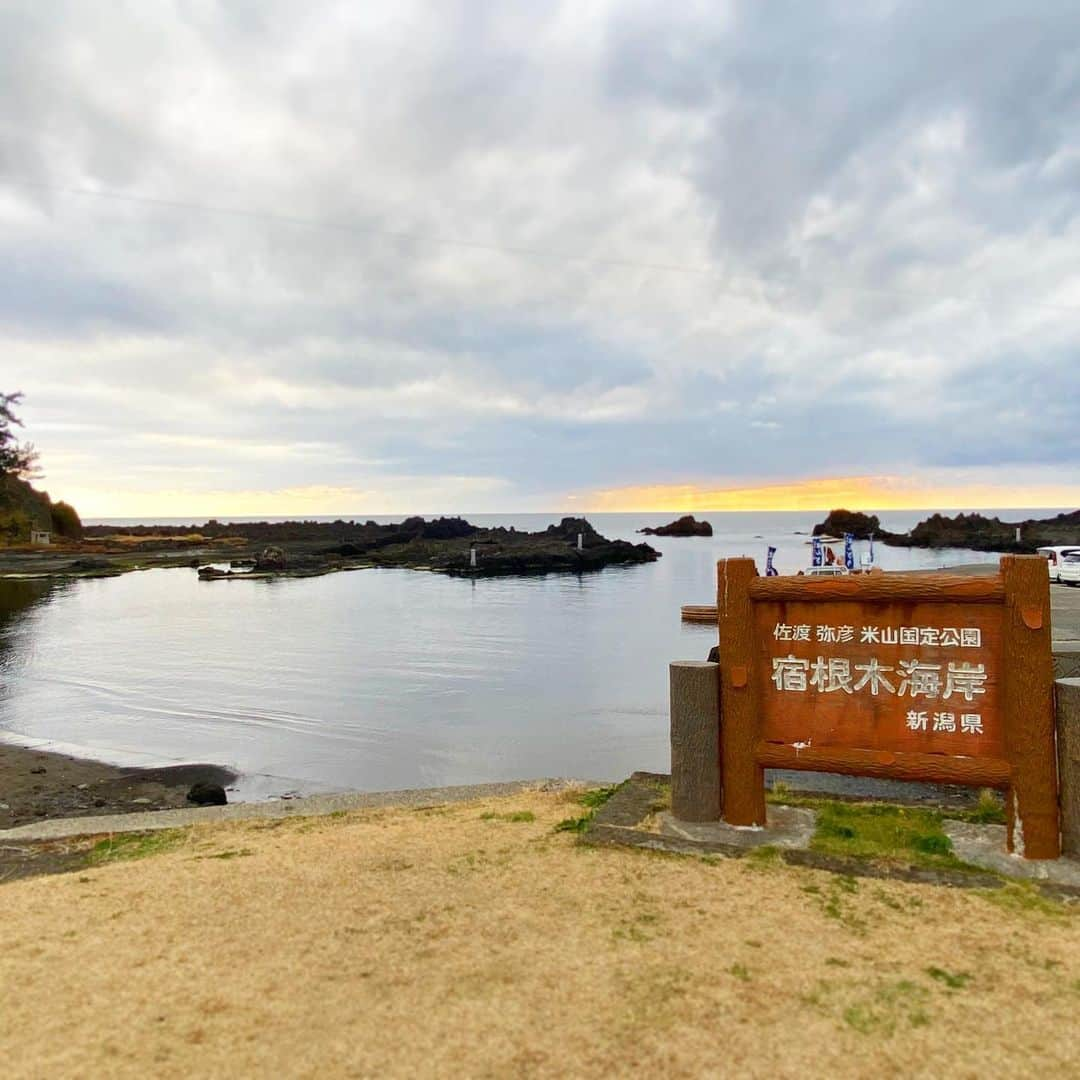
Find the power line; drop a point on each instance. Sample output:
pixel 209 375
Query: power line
pixel 475 245
pixel 371 230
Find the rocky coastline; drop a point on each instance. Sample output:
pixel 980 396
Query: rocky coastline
pixel 259 550
pixel 972 531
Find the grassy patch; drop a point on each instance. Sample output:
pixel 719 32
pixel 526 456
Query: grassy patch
pixel 763 855
pixel 887 1008
pixel 515 816
pixel 953 980
pixel 574 824
pixel 1024 897
pixel 592 800
pixel 126 846
pixel 885 832
pixel 989 810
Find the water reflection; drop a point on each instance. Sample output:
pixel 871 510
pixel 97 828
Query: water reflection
pixel 369 680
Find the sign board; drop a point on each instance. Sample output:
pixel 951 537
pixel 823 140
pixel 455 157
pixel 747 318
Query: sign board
pixel 930 677
pixel 911 677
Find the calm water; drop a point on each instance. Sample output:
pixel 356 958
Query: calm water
pixel 381 679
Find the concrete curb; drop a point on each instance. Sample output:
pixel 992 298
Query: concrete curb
pixel 312 806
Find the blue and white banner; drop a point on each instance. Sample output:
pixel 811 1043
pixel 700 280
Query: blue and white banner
pixel 819 555
pixel 849 551
pixel 770 570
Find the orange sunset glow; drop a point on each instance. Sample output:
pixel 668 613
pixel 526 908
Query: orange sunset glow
pixel 852 492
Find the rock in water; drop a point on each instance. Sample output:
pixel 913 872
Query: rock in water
pixel 685 526
pixel 207 795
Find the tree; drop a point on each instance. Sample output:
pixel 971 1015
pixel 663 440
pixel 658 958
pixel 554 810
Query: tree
pixel 16 459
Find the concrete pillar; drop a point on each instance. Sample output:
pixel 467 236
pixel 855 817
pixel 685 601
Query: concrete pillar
pixel 1067 692
pixel 1066 660
pixel 695 740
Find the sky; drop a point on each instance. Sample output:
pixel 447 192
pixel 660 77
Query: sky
pixel 264 257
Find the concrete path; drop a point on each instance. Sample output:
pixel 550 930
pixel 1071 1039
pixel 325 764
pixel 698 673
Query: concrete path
pixel 312 806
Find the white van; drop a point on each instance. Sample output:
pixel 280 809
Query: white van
pixel 1054 556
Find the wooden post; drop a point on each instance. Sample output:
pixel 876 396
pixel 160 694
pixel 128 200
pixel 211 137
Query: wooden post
pixel 1029 707
pixel 743 779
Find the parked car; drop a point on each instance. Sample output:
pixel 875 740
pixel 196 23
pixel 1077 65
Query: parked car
pixel 1069 569
pixel 826 571
pixel 1054 557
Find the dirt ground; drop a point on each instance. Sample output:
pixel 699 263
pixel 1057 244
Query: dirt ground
pixel 38 784
pixel 474 940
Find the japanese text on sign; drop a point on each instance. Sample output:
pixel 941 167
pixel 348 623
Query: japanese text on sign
pixel 913 678
pixel 965 637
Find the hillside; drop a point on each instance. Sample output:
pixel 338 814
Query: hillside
pixel 23 507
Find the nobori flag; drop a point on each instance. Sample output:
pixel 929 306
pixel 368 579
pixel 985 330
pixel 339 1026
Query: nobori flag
pixel 819 555
pixel 849 551
pixel 770 570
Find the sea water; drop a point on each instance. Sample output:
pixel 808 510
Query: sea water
pixel 382 679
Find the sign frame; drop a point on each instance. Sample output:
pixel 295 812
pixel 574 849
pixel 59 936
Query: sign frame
pixel 1026 769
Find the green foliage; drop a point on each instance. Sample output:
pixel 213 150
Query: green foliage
pixel 15 526
pixel 593 799
pixel 16 459
pixel 989 810
pixel 596 797
pixel 574 824
pixel 514 816
pixel 22 509
pixel 65 521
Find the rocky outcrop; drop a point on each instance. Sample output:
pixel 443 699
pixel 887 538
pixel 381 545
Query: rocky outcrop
pixel 449 545
pixel 687 525
pixel 861 526
pixel 975 532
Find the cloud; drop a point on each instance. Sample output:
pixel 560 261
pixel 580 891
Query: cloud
pixel 563 248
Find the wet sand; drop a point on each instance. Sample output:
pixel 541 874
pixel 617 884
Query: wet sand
pixel 38 784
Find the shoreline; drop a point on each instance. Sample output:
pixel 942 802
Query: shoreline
pixel 41 785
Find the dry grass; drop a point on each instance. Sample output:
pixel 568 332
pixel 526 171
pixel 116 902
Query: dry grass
pixel 451 942
pixel 181 540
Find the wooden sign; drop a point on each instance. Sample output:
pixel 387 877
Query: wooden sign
pixel 930 677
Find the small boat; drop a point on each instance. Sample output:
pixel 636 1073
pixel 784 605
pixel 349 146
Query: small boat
pixel 699 613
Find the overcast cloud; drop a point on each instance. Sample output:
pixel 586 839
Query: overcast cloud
pixel 386 257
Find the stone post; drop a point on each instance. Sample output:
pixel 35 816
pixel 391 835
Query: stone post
pixel 695 740
pixel 1067 692
pixel 1066 660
